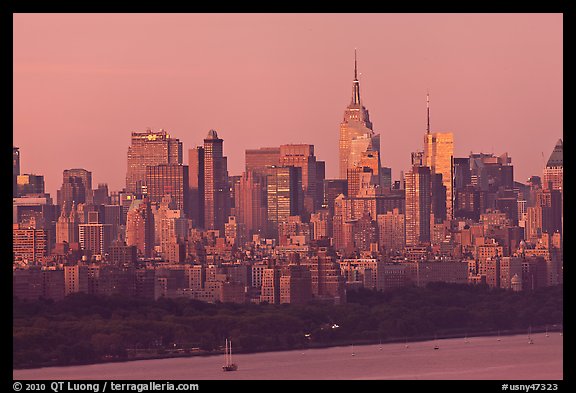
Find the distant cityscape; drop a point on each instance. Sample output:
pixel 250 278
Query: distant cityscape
pixel 281 232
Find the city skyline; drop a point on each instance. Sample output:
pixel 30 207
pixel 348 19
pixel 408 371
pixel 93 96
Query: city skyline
pixel 264 80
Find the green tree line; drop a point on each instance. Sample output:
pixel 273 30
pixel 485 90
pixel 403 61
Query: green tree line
pixel 88 329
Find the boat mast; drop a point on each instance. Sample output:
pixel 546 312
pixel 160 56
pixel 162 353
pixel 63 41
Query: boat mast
pixel 230 352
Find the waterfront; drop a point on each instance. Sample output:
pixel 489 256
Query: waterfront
pixel 474 358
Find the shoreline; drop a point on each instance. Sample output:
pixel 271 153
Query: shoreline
pixel 171 355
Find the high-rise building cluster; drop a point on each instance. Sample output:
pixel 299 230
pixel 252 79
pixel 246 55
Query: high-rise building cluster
pixel 280 232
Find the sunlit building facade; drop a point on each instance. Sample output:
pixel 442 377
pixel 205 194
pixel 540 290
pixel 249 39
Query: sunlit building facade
pixel 439 157
pixel 356 134
pixel 149 148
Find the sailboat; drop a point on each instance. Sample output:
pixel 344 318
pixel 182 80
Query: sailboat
pixel 530 341
pixel 228 365
pixel 498 335
pixel 353 354
pixel 547 335
pixel 436 346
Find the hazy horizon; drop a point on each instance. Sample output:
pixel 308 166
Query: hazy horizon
pixel 84 82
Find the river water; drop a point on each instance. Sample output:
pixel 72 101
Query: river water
pixel 477 358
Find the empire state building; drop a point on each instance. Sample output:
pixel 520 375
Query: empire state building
pixel 356 134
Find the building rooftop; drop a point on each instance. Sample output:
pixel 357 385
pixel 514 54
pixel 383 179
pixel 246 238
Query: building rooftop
pixel 557 154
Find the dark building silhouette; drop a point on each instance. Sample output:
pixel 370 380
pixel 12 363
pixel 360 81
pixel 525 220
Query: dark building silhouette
pixel 216 187
pixel 196 185
pixel 76 187
pixel 168 179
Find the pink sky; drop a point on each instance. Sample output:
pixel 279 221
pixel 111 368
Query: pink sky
pixel 83 82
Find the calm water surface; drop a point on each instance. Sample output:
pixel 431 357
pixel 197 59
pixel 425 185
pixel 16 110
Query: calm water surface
pixel 486 358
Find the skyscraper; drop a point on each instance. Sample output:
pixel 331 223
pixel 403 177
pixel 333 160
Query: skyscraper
pixel 216 188
pixel 554 170
pixel 100 195
pixel 168 179
pixel 462 174
pixel 148 149
pixel 418 205
pixel 259 160
pixel 76 187
pixel 284 195
pixel 250 203
pixel 439 157
pixel 196 185
pixel 302 156
pixel 320 176
pixel 356 133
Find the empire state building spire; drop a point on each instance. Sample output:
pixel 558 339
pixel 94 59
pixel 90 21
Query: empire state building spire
pixel 356 85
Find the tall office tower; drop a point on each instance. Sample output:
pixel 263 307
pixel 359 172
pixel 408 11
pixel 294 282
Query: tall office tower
pixel 232 182
pixel 250 203
pixel 95 236
pixel 418 205
pixel 320 176
pixel 356 133
pixel 554 171
pixel 168 179
pixel 302 156
pixel 29 184
pixel 113 216
pixel 67 225
pixel 196 185
pixel 550 201
pixel 216 188
pixel 148 149
pixel 439 157
pixel 76 187
pixel 100 195
pixel 15 167
pixel 462 174
pixel 438 196
pixel 259 160
pixel 140 227
pixel 391 231
pixel 284 195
